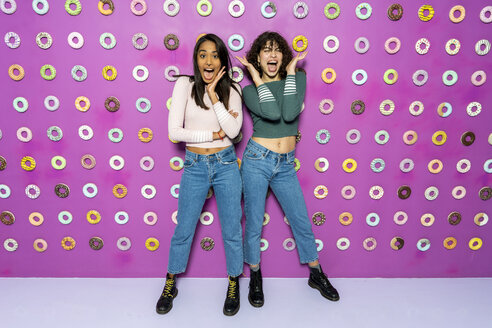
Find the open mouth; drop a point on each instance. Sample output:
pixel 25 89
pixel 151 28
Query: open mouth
pixel 272 66
pixel 208 74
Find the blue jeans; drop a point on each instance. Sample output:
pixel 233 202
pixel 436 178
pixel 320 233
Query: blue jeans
pixel 221 171
pixel 261 168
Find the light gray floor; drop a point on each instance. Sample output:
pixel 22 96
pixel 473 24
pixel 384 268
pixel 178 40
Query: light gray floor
pixel 121 303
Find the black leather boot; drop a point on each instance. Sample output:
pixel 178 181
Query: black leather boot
pixel 255 295
pixel 319 281
pixel 231 304
pixel 165 302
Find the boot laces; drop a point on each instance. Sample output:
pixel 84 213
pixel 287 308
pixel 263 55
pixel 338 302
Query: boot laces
pixel 231 292
pixel 168 287
pixel 325 281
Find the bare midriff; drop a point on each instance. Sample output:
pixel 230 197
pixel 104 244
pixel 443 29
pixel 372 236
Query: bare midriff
pixel 205 151
pixel 279 145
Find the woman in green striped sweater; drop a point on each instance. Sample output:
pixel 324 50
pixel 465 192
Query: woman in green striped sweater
pixel 274 101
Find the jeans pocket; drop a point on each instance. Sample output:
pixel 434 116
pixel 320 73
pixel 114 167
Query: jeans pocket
pixel 253 154
pixel 230 158
pixel 189 162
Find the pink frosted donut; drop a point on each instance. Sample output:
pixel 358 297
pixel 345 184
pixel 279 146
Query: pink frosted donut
pixel 134 4
pixel 397 46
pixel 328 110
pixel 474 78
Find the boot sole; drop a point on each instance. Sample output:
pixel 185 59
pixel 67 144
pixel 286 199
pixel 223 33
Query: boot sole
pixel 334 299
pixel 164 312
pixel 229 314
pixel 253 304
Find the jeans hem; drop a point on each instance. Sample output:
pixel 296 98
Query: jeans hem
pixel 248 263
pixel 307 262
pixel 175 272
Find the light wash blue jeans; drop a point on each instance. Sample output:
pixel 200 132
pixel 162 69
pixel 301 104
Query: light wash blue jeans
pixel 221 171
pixel 261 168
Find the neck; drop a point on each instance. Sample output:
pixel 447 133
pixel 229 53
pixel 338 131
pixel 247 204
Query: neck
pixel 265 78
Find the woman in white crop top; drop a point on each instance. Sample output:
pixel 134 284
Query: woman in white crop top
pixel 206 113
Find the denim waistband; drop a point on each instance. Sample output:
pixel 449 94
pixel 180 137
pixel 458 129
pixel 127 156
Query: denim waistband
pixel 212 157
pixel 270 153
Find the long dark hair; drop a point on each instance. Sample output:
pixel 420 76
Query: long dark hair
pixel 269 38
pixel 224 85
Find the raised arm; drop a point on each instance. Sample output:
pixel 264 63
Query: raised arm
pixel 261 102
pixel 294 91
pixel 177 114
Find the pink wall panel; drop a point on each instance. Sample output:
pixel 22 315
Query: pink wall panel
pixel 187 25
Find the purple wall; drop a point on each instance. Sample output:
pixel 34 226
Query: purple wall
pixel 187 25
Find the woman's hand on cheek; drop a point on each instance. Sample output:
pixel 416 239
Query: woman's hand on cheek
pixel 211 86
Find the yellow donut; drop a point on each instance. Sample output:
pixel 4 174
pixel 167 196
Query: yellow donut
pixel 68 247
pixel 28 159
pixel 431 168
pixel 34 222
pixel 437 134
pixel 103 11
pixel 199 36
pixel 149 246
pixel 421 13
pixel 90 219
pixel 473 241
pixel 173 141
pixel 141 132
pixel 348 215
pixel 453 243
pixel 325 72
pixel 349 161
pixel 116 193
pixel 105 73
pixel 16 77
pixel 87 103
pixel 304 43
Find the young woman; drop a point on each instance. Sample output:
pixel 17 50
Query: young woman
pixel 274 102
pixel 206 113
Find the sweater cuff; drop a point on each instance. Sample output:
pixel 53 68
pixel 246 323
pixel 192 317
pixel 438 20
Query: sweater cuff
pixel 221 112
pixel 290 85
pixel 264 94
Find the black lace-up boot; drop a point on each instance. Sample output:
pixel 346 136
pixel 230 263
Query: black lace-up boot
pixel 255 295
pixel 231 304
pixel 318 280
pixel 165 302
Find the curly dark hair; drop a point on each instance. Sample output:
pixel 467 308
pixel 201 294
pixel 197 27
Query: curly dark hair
pixel 269 38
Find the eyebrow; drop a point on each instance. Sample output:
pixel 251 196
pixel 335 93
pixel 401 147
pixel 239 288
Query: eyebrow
pixel 202 50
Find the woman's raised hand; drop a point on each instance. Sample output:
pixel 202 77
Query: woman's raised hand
pixel 255 75
pixel 291 67
pixel 211 86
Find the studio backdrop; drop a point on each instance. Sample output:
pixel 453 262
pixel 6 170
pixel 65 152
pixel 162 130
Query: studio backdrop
pixel 394 150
